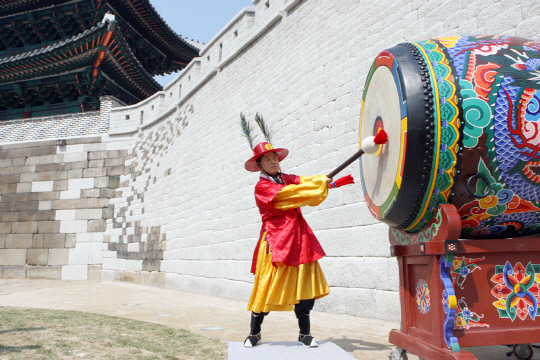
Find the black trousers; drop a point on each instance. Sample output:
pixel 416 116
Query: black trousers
pixel 301 311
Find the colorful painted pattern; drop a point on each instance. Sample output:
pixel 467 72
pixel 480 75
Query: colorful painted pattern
pixel 461 267
pixel 425 235
pixel 466 319
pixel 423 299
pixel 500 86
pixel 446 130
pixel 449 302
pixel 517 289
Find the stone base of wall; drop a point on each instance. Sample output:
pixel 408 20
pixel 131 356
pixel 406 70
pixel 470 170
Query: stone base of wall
pixel 48 272
pixel 147 278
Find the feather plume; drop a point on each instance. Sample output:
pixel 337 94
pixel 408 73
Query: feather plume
pixel 264 129
pixel 246 130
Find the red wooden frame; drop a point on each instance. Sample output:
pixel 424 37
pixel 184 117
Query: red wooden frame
pixel 422 333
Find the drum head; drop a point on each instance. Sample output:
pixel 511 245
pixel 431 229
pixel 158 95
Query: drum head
pixel 382 110
pixel 398 97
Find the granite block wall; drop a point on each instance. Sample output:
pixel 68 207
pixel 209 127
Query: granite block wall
pixel 302 65
pixel 54 202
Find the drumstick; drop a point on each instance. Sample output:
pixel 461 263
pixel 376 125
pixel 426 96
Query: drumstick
pixel 370 145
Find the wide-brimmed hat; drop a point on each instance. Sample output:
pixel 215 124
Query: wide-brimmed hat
pixel 260 150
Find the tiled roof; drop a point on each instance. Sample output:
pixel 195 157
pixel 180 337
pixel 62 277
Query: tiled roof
pixel 139 14
pixel 83 51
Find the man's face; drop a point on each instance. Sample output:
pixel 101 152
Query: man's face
pixel 270 163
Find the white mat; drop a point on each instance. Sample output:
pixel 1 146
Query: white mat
pixel 287 351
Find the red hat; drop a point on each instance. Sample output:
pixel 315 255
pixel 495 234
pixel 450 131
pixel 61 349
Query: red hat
pixel 260 150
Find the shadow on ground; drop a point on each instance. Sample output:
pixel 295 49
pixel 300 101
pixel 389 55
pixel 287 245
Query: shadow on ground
pixel 17 349
pixel 350 344
pixel 20 330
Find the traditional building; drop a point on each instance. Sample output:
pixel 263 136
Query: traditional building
pixel 60 56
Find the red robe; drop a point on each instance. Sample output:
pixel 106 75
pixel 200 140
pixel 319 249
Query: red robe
pixel 291 240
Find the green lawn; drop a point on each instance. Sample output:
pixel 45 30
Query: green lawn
pixel 49 334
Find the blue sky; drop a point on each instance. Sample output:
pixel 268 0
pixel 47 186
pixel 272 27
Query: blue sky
pixel 199 20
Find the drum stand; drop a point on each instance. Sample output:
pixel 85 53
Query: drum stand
pixel 461 293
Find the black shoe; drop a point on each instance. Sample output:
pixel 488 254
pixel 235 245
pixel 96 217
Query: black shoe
pixel 252 340
pixel 307 340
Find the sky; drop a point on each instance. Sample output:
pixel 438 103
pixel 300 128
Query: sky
pixel 199 20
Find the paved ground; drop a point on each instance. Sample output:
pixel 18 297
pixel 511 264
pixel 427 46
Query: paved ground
pixel 364 339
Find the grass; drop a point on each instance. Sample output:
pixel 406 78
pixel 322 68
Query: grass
pixel 48 334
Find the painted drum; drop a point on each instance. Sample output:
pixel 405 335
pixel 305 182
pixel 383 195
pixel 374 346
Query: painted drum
pixel 462 115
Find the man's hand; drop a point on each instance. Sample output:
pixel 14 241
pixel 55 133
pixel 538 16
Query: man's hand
pixel 328 180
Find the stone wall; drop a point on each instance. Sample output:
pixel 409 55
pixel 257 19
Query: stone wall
pixel 184 215
pixel 54 204
pixel 302 65
pixel 60 126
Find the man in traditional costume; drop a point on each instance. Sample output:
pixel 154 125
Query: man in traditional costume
pixel 285 262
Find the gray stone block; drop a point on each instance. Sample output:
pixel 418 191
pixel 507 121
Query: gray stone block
pixel 37 241
pixel 14 272
pixel 9 216
pixel 7 207
pixel 90 193
pixel 3 241
pixel 83 140
pixel 8 188
pixel 115 161
pixel 44 272
pixel 101 182
pixel 151 265
pixel 46 176
pixel 45 215
pixel 89 214
pixel 27 206
pixel 37 256
pixel 88 203
pixel 28 177
pixel 8 179
pixel 71 240
pixel 47 196
pixel 18 241
pixel 19 197
pixel 54 241
pixel 94 272
pixel 5 228
pixel 18 162
pixel 95 172
pixel 25 227
pixel 75 173
pixel 43 150
pixel 96 163
pixel 19 153
pixel 58 256
pixel 37 160
pixel 13 256
pixel 60 185
pixel 48 227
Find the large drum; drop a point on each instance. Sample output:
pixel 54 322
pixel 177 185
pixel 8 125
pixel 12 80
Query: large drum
pixel 463 118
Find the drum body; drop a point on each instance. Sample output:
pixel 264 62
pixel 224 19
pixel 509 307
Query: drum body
pixel 463 118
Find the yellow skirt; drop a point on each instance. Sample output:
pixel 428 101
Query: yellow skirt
pixel 279 289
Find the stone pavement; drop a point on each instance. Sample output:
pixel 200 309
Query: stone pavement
pixel 362 338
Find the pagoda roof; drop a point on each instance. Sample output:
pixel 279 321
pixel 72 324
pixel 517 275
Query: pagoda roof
pixel 138 19
pixel 102 51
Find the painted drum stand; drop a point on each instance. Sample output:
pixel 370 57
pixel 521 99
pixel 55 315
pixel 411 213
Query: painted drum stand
pixel 459 185
pixel 459 293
